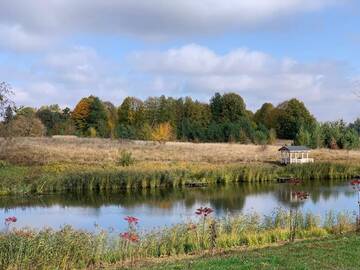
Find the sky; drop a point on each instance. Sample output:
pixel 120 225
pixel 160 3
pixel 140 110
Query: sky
pixel 58 51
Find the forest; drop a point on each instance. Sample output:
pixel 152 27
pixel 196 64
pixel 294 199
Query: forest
pixel 224 118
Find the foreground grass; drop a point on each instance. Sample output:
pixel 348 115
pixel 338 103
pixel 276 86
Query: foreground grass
pixel 76 249
pixel 334 252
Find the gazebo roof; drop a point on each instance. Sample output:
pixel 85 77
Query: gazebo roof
pixel 293 148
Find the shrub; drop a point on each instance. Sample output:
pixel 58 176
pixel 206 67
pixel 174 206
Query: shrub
pixel 3 164
pixel 126 159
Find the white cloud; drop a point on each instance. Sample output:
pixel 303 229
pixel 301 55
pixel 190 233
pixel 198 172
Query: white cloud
pixel 32 23
pixel 18 39
pixel 257 76
pixel 65 77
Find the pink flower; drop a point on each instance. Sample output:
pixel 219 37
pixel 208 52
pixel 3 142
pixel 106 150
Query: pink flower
pixel 10 220
pixel 204 211
pixel 131 237
pixel 132 220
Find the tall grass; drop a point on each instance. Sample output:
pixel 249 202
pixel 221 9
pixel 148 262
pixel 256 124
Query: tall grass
pixel 75 178
pixel 73 249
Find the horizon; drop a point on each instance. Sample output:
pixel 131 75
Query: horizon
pixel 270 51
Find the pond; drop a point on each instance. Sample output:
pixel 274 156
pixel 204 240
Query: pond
pixel 163 207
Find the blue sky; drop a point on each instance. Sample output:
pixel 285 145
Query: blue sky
pixel 265 50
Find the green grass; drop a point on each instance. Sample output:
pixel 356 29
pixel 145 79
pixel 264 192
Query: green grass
pixel 335 252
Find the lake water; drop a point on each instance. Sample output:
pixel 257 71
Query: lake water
pixel 162 207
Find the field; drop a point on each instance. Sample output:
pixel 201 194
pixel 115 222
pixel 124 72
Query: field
pixel 43 165
pixel 338 252
pixel 39 151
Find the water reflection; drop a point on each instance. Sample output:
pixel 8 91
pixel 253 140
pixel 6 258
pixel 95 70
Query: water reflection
pixel 167 206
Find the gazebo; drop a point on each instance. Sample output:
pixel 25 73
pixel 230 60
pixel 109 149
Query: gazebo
pixel 295 154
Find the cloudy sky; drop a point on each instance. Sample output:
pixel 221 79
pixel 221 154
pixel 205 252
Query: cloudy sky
pixel 57 51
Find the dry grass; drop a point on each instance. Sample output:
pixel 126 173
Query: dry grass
pixel 104 151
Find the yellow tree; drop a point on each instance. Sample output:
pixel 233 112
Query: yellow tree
pixel 81 113
pixel 162 132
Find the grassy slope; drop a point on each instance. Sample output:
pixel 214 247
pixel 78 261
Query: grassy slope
pixel 339 252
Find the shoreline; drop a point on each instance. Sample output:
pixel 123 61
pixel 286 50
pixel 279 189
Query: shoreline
pixel 57 178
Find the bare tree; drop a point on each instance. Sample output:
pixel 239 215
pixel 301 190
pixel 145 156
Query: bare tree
pixel 5 97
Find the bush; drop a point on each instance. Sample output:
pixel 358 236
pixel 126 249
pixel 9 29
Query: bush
pixel 126 159
pixel 3 164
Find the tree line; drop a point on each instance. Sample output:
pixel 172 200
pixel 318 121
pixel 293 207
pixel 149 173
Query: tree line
pixel 224 118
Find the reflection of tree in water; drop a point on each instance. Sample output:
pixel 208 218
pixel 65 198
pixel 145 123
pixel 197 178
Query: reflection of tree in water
pixel 229 197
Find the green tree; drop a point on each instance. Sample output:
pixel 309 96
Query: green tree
pixel 291 115
pixel 302 137
pixel 356 125
pixel 51 117
pixel 228 107
pixel 195 119
pixel 266 115
pixel 316 137
pixel 131 112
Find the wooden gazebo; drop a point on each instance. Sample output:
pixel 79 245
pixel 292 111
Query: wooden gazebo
pixel 295 154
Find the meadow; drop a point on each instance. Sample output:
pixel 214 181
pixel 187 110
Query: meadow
pixel 334 252
pixel 92 151
pixel 43 165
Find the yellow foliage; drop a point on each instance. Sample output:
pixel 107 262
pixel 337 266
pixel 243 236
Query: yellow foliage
pixel 92 132
pixel 81 112
pixel 162 132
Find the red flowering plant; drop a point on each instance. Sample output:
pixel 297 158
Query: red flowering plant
pixel 356 186
pixel 203 212
pixel 9 221
pixel 295 199
pixel 131 235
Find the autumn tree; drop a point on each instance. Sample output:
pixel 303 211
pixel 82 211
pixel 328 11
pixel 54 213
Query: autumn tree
pixel 130 118
pixel 162 132
pixel 80 115
pixel 90 114
pixel 112 117
pixel 25 126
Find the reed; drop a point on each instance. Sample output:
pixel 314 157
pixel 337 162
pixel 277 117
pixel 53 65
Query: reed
pixel 74 249
pixel 75 178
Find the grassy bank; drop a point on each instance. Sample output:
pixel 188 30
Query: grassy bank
pixel 45 165
pixel 335 252
pixel 80 178
pixel 73 249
